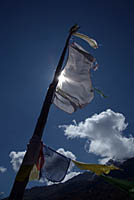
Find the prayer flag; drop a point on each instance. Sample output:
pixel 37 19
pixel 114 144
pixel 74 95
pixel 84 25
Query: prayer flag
pixel 96 168
pixel 74 89
pixel 32 161
pixel 127 186
pixel 55 166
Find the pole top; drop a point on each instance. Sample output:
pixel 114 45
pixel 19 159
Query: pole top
pixel 74 28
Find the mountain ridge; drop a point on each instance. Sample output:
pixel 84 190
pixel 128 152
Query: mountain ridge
pixel 86 186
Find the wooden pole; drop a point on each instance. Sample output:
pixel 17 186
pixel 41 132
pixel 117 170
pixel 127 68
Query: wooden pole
pixel 18 188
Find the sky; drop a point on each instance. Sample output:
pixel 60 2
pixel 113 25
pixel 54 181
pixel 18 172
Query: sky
pixel 32 37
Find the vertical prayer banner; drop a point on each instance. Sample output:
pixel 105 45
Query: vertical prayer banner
pixel 74 89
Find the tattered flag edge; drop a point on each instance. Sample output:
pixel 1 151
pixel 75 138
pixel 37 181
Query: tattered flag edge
pixel 91 41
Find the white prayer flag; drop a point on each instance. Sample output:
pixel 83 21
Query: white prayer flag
pixel 74 89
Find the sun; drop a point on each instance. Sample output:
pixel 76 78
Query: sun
pixel 61 79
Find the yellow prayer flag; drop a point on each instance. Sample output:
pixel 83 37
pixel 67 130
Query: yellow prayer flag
pixel 24 172
pixel 34 175
pixel 96 168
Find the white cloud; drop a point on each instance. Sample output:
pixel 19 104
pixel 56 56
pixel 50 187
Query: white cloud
pixel 104 134
pixel 70 175
pixel 16 159
pixel 2 169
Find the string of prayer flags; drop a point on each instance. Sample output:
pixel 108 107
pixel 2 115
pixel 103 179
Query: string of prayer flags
pixel 55 166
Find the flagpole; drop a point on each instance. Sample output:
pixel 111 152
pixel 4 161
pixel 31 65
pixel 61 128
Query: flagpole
pixel 18 188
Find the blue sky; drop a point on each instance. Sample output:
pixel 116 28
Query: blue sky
pixel 32 37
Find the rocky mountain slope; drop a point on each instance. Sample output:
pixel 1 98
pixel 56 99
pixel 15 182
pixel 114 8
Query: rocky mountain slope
pixel 86 186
